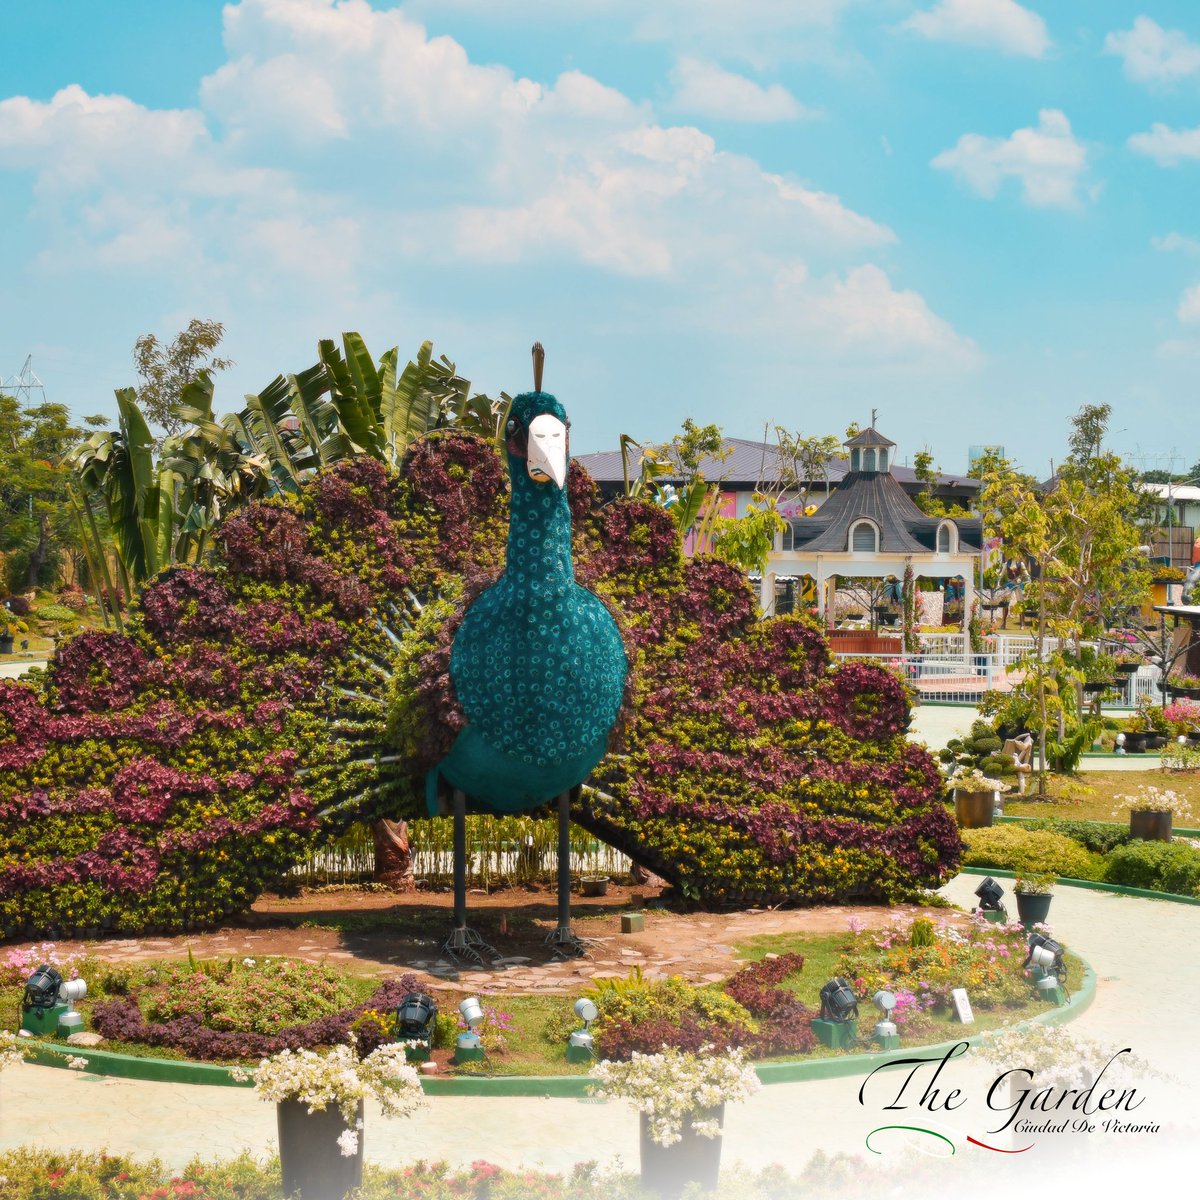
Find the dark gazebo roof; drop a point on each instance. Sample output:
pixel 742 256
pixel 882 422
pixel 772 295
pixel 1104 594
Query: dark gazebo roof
pixel 868 437
pixel 879 498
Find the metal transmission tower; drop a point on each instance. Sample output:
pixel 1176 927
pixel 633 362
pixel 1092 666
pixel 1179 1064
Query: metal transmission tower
pixel 24 385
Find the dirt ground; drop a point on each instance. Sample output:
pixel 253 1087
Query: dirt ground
pixel 372 932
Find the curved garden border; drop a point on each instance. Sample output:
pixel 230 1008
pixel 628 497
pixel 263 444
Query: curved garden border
pixel 165 1070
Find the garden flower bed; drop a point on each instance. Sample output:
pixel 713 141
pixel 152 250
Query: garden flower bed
pixel 238 1011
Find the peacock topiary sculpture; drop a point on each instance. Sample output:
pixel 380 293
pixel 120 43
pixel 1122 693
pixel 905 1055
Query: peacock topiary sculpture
pixel 537 664
pixel 341 659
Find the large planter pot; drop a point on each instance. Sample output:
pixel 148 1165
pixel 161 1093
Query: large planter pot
pixel 1135 743
pixel 6 644
pixel 973 810
pixel 1150 826
pixel 1033 907
pixel 594 885
pixel 314 1167
pixel 1096 688
pixel 1155 741
pixel 667 1170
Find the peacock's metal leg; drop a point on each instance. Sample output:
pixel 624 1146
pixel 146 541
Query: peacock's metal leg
pixel 463 943
pixel 564 941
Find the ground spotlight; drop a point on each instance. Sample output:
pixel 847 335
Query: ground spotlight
pixel 1045 957
pixel 886 1033
pixel 580 1045
pixel 48 1003
pixel 416 1020
pixel 469 1047
pixel 838 1002
pixel 990 895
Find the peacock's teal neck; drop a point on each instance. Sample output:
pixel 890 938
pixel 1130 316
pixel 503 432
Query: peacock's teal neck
pixel 539 534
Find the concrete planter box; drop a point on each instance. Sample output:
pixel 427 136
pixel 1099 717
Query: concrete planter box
pixel 973 810
pixel 1150 826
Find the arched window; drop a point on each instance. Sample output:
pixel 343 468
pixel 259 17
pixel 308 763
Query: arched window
pixel 864 538
pixel 868 460
pixel 945 539
pixel 788 536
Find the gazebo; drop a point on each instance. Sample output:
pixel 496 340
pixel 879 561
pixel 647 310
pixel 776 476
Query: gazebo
pixel 870 528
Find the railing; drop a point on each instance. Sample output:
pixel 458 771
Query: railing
pixel 946 645
pixel 514 850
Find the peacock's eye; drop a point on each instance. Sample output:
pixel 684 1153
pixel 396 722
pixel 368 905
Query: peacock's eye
pixel 512 426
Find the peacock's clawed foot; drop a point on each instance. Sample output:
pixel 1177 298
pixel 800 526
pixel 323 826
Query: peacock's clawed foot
pixel 566 944
pixel 464 945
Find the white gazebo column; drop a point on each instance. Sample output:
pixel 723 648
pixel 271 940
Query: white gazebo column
pixel 968 578
pixel 822 581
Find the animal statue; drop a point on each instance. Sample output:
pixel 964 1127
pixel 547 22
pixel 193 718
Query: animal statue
pixel 538 666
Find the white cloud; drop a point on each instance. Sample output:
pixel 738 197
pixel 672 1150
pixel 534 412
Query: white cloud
pixel 706 90
pixel 1173 242
pixel 999 24
pixel 1048 161
pixel 1152 54
pixel 1189 306
pixel 1168 147
pixel 341 154
pixel 860 312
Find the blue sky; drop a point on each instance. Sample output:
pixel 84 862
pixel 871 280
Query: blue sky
pixel 973 215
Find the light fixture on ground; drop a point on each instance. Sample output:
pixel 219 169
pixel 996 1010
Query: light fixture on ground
pixel 469 1047
pixel 837 1025
pixel 580 1045
pixel 416 1021
pixel 1049 970
pixel 887 1036
pixel 48 1003
pixel 990 895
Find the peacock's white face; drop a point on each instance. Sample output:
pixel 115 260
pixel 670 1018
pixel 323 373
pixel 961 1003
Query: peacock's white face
pixel 546 450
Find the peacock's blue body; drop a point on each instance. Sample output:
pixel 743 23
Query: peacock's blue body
pixel 538 664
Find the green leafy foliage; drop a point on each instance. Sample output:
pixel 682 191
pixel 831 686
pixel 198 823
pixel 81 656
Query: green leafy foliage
pixel 1159 866
pixel 1030 852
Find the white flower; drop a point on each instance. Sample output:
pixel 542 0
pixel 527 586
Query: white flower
pixel 249 962
pixel 1154 799
pixel 348 1142
pixel 9 1054
pixel 675 1085
pixel 76 1063
pixel 337 1078
pixel 239 1075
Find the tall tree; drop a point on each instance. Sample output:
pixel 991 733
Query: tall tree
pixel 166 370
pixel 36 527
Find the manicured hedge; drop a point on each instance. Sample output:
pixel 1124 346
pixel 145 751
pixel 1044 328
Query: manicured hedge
pixel 1160 866
pixel 160 778
pixel 1030 852
pixel 1098 836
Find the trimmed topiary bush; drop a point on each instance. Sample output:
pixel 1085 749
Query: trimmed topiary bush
pixel 1098 836
pixel 160 778
pixel 1158 866
pixel 1030 852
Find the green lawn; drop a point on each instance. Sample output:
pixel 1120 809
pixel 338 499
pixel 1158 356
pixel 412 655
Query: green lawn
pixel 1093 795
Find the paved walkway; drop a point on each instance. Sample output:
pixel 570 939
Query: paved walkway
pixel 1146 999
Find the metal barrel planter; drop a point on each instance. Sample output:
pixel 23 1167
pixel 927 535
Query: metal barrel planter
pixel 1150 826
pixel 668 1170
pixel 973 810
pixel 314 1167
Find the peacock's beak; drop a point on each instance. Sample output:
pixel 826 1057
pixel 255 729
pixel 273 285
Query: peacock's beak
pixel 546 456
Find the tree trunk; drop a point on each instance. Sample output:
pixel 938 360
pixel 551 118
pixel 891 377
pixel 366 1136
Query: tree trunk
pixel 393 856
pixel 38 557
pixel 1041 652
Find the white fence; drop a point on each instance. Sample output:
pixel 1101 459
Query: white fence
pixel 962 678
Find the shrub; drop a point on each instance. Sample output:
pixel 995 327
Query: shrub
pixel 19 606
pixel 122 1020
pixel 1030 852
pixel 1098 836
pixel 58 613
pixel 1158 866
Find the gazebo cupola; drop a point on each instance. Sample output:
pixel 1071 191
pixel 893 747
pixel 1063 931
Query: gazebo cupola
pixel 869 451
